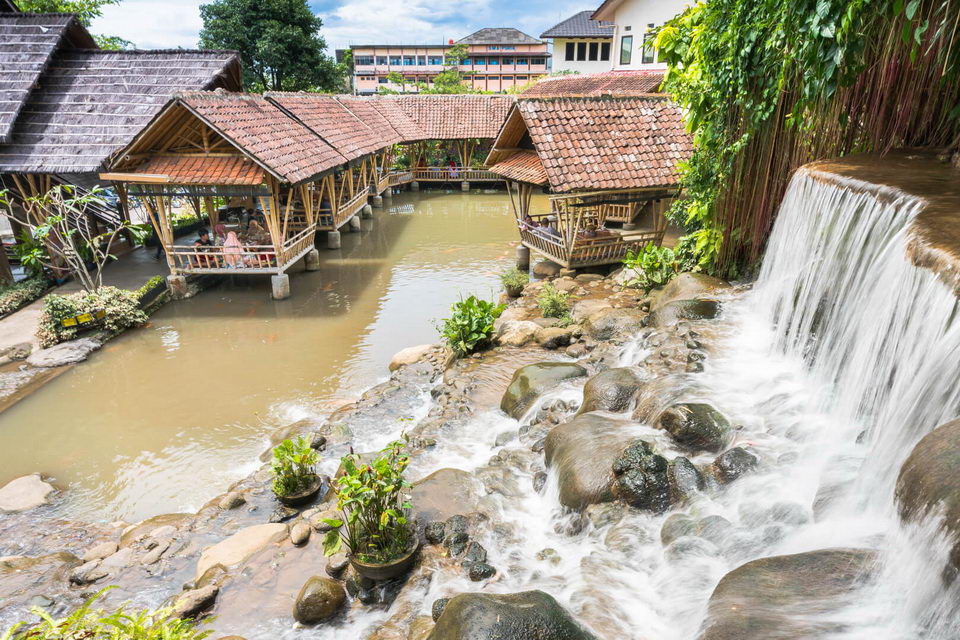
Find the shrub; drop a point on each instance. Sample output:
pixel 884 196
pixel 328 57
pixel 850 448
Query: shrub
pixel 18 294
pixel 470 326
pixel 96 624
pixel 121 308
pixel 374 506
pixel 148 286
pixel 513 278
pixel 553 303
pixel 655 266
pixel 293 466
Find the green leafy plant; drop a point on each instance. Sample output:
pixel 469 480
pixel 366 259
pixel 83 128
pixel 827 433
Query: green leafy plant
pixel 655 266
pixel 30 254
pixel 553 303
pixel 96 624
pixel 18 294
pixel 148 286
pixel 121 309
pixel 470 325
pixel 293 466
pixel 374 505
pixel 514 279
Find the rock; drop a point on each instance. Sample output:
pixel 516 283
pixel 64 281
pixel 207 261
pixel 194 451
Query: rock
pixel 25 492
pixel 456 543
pixel 588 277
pixel 100 551
pixel 64 353
pixel 504 438
pixel 300 533
pixel 670 314
pixel 420 628
pixel 929 483
pixel 582 452
pixel 337 564
pixel 481 571
pixel 192 603
pixel 611 390
pixel 87 573
pixel 684 479
pixel 240 546
pixel 586 308
pixel 232 500
pixel 732 464
pixel 608 324
pixel 517 334
pixel 677 526
pixel 641 478
pixel 787 597
pixel 474 553
pixel 688 286
pixel 553 337
pixel 318 520
pixel 319 599
pixel 546 269
pixel 438 606
pixel 577 350
pixel 410 355
pixel 156 552
pixel 433 532
pixel 532 381
pixel 529 615
pixel 539 481
pixel 697 426
pixel 445 493
pixel 15 352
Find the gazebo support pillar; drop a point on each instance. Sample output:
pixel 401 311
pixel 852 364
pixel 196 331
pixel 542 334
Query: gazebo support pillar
pixel 464 186
pixel 280 284
pixel 378 201
pixel 414 186
pixel 177 285
pixel 523 258
pixel 367 212
pixel 333 239
pixel 311 262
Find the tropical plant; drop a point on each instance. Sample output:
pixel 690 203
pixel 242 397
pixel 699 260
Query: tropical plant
pixel 514 279
pixel 470 325
pixel 120 308
pixel 293 466
pixel 553 303
pixel 655 266
pixel 19 294
pixel 30 253
pixel 96 624
pixel 374 507
pixel 148 286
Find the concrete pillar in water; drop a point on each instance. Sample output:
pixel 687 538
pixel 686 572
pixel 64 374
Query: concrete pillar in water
pixel 366 212
pixel 178 287
pixel 333 239
pixel 414 186
pixel 281 286
pixel 464 186
pixel 629 226
pixel 311 262
pixel 523 258
pixel 378 201
pixel 354 223
pixel 388 194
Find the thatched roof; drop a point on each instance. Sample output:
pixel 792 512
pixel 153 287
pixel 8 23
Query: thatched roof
pixel 608 83
pixel 28 42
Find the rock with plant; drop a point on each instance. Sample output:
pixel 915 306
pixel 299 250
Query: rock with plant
pixel 120 307
pixel 554 303
pixel 514 281
pixel 470 325
pixel 294 467
pixel 654 266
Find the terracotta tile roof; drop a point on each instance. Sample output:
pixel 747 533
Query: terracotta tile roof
pixel 257 126
pixel 204 170
pixel 579 25
pixel 366 110
pixel 522 166
pixel 607 143
pixel 390 110
pixel 616 83
pixel 333 121
pixel 454 117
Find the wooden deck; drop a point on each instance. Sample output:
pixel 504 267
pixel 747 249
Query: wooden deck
pixel 251 260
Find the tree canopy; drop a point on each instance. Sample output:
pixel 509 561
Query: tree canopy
pixel 279 42
pixel 86 11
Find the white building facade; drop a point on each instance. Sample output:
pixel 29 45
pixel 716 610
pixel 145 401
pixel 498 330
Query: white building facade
pixel 581 45
pixel 632 23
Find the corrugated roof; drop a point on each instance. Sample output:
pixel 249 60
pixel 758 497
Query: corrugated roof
pixel 522 166
pixel 90 104
pixel 204 170
pixel 579 25
pixel 498 35
pixel 615 83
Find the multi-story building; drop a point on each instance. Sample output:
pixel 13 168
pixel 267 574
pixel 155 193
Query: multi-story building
pixel 497 59
pixel 633 20
pixel 581 45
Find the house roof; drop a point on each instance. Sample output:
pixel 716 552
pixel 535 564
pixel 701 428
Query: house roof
pixel 454 117
pixel 28 41
pixel 498 35
pixel 599 143
pixel 617 83
pixel 522 166
pixel 204 170
pixel 607 10
pixel 579 25
pixel 92 103
pixel 333 121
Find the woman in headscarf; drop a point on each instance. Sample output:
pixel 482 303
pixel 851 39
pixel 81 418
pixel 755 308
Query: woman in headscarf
pixel 219 233
pixel 233 251
pixel 257 235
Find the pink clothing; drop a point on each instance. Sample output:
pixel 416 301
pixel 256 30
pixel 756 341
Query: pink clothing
pixel 232 250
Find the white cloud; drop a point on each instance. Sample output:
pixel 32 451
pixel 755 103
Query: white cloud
pixel 152 24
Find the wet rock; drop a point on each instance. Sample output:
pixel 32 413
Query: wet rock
pixel 445 493
pixel 318 520
pixel 434 532
pixel 677 526
pixel 786 597
pixel 546 269
pixel 687 548
pixel 609 324
pixel 155 553
pixel 611 390
pixel 529 615
pixel 716 529
pixel 319 599
pixel 100 551
pixel 732 464
pixel 438 606
pixel 582 452
pixel 25 492
pixel 481 571
pixel 577 350
pixel 671 314
pixel 214 576
pixel 192 603
pixel 532 381
pixel 232 500
pixel 410 355
pixel 87 573
pixel 586 308
pixel 518 333
pixel 283 513
pixel 504 438
pixel 641 478
pixel 553 337
pixel 789 513
pixel 539 481
pixel 456 543
pixel 240 546
pixel 697 426
pixel 300 533
pixel 474 553
pixel 601 515
pixel 684 479
pixel 688 286
pixel 64 353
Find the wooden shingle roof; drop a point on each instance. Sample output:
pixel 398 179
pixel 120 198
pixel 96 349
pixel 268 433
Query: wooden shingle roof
pixel 613 83
pixel 90 104
pixel 333 121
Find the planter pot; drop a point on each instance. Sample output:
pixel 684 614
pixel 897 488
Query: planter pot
pixel 514 292
pixel 304 496
pixel 394 569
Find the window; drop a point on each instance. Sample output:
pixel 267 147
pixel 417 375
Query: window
pixel 466 61
pixel 581 51
pixel 508 61
pixel 408 61
pixel 527 62
pixel 480 62
pixel 540 61
pixel 508 48
pixel 521 78
pixel 381 59
pixel 382 80
pixel 626 49
pixel 363 60
pixel 435 60
pixel 570 51
pixel 421 60
pixel 493 47
pixel 395 60
pixel 493 62
pixel 604 51
pixel 594 51
pixel 649 54
pixel 480 78
pixel 507 78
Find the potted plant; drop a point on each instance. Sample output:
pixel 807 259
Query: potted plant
pixel 374 521
pixel 514 281
pixel 295 481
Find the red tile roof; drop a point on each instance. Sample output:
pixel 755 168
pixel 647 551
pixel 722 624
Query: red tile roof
pixel 616 83
pixel 333 121
pixel 204 170
pixel 455 117
pixel 522 166
pixel 366 110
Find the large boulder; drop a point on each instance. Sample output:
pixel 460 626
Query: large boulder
pixel 610 390
pixel 688 286
pixel 319 599
pixel 586 308
pixel 410 355
pixel 929 482
pixel 25 492
pixel 673 312
pixel 696 426
pixel 64 353
pixel 608 324
pixel 532 381
pixel 582 453
pixel 641 478
pixel 529 615
pixel 518 333
pixel 786 597
pixel 444 494
pixel 546 269
pixel 240 546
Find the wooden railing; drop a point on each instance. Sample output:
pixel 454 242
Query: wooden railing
pixel 587 252
pixel 331 222
pixel 399 177
pixel 621 212
pixel 249 259
pixel 297 245
pixel 383 183
pixel 448 174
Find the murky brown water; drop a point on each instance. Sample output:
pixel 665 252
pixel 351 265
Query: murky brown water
pixel 168 416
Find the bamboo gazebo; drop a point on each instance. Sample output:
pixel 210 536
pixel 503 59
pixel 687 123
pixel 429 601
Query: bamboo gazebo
pixel 604 160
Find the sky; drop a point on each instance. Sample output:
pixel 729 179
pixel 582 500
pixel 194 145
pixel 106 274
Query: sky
pixel 157 24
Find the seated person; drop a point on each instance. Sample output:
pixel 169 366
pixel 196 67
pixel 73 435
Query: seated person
pixel 548 226
pixel 203 244
pixel 528 224
pixel 589 232
pixel 233 251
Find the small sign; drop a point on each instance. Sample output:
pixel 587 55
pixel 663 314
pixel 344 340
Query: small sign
pixel 83 318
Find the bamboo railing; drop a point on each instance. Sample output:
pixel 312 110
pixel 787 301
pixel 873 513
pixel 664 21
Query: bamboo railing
pixel 397 178
pixel 248 259
pixel 448 174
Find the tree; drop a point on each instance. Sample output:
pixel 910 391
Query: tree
pixel 85 10
pixel 278 40
pixel 451 79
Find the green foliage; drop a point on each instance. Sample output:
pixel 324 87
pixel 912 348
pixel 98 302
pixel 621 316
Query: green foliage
pixel 451 80
pixel 148 286
pixel 293 466
pixel 86 11
pixel 374 505
pixel 112 43
pixel 553 303
pixel 470 325
pixel 513 278
pixel 19 294
pixel 121 308
pixel 278 41
pixel 655 266
pixel 96 624
pixel 31 253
